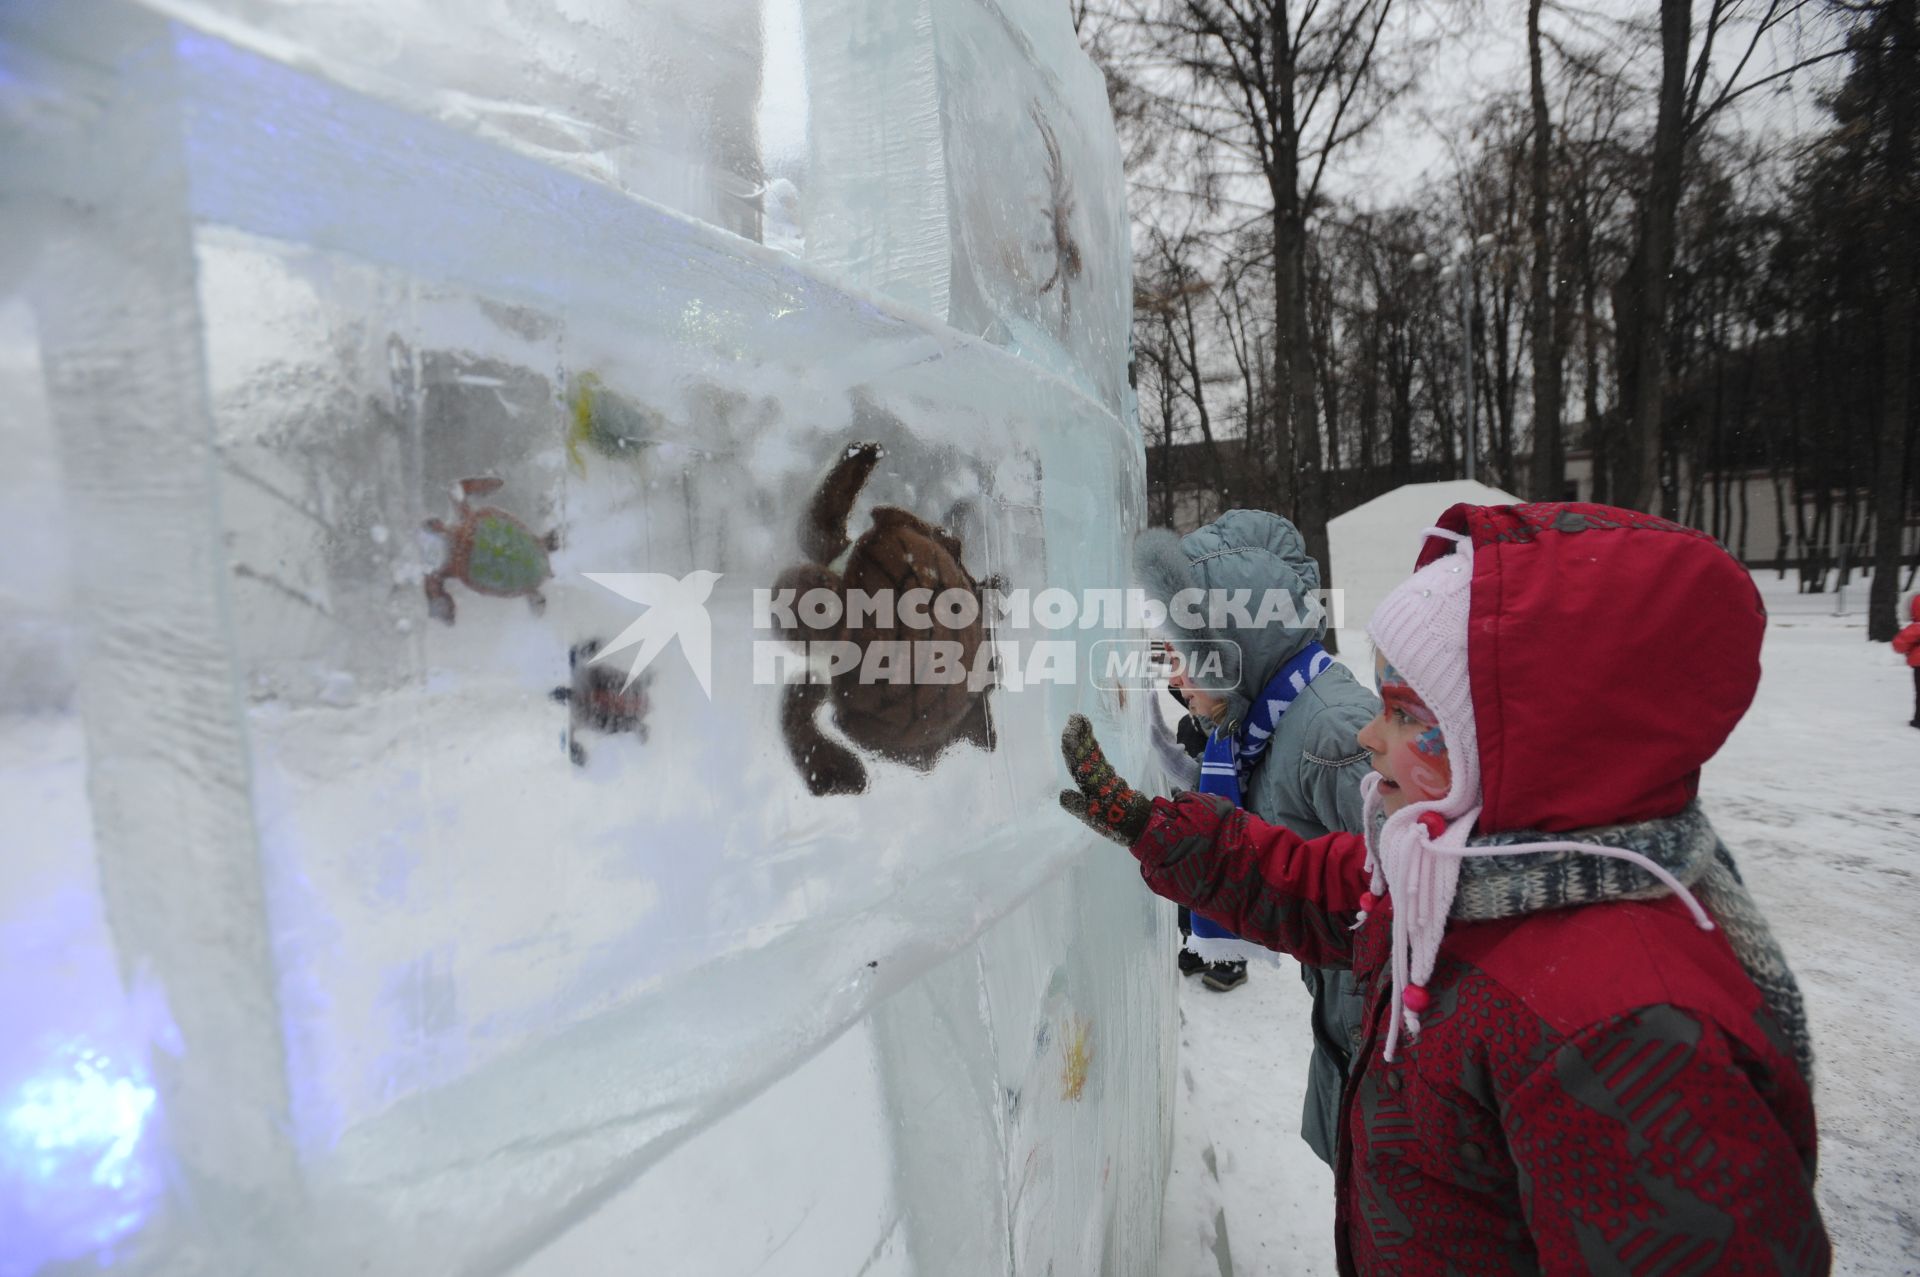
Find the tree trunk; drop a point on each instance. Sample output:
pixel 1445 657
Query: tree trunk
pixel 1717 450
pixel 1813 568
pixel 1303 489
pixel 1640 304
pixel 1188 344
pixel 1785 541
pixel 1549 448
pixel 1896 334
pixel 1309 511
pixel 1400 420
pixel 1167 410
pixel 1369 409
pixel 1328 379
pixel 1599 430
pixel 1847 530
pixel 1740 537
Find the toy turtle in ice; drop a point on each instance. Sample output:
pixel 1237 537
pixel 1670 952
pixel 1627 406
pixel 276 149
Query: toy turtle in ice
pixel 602 699
pixel 910 721
pixel 490 552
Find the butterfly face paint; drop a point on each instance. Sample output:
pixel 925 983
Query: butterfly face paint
pixel 1409 750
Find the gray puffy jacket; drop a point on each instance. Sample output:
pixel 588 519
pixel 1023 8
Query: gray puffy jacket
pixel 1309 779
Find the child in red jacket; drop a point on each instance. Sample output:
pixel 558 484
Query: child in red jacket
pixel 1908 641
pixel 1583 1051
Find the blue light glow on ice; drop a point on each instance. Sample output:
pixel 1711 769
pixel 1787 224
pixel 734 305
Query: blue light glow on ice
pixel 73 1179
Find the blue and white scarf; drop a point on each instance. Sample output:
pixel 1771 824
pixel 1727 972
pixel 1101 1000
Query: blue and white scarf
pixel 1226 769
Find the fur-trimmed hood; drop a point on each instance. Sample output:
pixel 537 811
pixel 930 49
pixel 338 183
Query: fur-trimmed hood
pixel 1242 550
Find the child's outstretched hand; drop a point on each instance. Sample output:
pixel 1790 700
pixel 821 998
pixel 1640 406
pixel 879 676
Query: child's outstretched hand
pixel 1105 802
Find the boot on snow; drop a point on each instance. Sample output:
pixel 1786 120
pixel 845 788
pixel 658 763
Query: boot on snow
pixel 1223 977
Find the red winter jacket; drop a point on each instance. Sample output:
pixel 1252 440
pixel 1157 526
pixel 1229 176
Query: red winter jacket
pixel 1597 1089
pixel 1908 640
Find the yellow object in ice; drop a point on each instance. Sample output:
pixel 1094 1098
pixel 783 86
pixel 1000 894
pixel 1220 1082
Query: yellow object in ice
pixel 610 424
pixel 1077 1058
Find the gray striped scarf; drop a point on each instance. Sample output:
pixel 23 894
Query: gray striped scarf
pixel 1686 846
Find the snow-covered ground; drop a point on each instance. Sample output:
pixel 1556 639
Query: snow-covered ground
pixel 1245 1195
pixel 1818 795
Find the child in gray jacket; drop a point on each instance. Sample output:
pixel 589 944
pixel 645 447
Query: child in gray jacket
pixel 1290 748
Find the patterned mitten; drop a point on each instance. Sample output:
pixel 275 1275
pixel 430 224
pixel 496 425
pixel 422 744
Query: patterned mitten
pixel 1105 802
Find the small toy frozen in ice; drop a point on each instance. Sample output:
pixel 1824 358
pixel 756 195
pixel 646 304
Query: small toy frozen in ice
pixel 609 423
pixel 490 552
pixel 901 715
pixel 1066 248
pixel 602 700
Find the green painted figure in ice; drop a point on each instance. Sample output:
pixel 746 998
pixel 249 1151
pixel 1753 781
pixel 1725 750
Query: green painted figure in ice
pixel 490 552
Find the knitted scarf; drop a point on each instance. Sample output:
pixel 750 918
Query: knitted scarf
pixel 1227 767
pixel 1686 846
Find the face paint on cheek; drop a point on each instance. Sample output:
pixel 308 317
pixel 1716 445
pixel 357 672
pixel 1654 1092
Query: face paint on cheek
pixel 1431 743
pixel 1424 777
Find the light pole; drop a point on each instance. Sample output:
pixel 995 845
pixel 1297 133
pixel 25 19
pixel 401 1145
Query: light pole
pixel 1465 253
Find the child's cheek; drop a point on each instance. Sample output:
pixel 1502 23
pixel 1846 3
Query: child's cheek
pixel 1421 767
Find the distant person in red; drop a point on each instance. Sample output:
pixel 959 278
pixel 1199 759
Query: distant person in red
pixel 1908 642
pixel 1582 1051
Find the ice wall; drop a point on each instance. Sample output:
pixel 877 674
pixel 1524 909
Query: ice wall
pixel 350 918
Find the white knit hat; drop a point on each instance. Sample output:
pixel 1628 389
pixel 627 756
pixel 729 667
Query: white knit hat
pixel 1421 627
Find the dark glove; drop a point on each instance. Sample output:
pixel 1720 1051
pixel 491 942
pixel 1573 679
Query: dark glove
pixel 1193 735
pixel 1105 802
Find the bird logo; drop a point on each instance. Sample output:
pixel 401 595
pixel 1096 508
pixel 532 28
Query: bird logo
pixel 676 608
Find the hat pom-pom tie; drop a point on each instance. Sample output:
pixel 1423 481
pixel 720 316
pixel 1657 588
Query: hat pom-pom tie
pixel 1369 901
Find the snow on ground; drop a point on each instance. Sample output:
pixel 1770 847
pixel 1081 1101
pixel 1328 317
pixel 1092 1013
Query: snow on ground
pixel 1818 795
pixel 1245 1195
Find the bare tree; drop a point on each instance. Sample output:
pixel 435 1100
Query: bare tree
pixel 1677 303
pixel 1549 333
pixel 1640 296
pixel 1171 338
pixel 1892 38
pixel 1278 87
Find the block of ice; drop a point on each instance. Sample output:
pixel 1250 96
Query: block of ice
pixel 655 99
pixel 876 179
pixel 1037 201
pixel 408 932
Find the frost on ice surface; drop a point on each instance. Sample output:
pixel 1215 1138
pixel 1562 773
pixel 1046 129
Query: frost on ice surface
pixel 406 930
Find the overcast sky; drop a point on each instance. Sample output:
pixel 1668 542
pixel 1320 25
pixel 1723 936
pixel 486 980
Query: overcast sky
pixel 1485 55
pixel 1478 52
